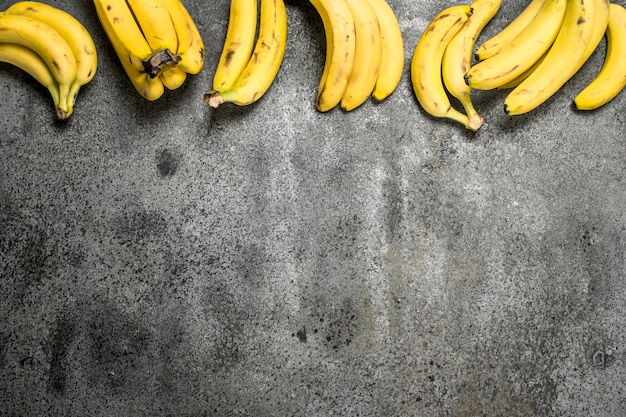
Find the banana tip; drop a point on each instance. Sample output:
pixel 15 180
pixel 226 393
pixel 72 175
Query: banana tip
pixel 475 122
pixel 213 99
pixel 61 114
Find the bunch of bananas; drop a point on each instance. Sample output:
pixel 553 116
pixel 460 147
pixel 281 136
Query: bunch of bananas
pixel 247 68
pixel 156 41
pixel 52 46
pixel 364 52
pixel 534 56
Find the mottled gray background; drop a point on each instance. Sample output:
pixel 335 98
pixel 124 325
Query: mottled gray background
pixel 167 259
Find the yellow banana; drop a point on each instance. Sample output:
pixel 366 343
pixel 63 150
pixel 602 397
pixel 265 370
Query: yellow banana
pixel 130 46
pixel 562 61
pixel 49 45
pixel 611 79
pixel 27 60
pixel 457 57
pixel 340 51
pixel 518 80
pixel 238 45
pixel 367 59
pixel 522 52
pixel 157 27
pixel 190 44
pixel 76 35
pixel 126 37
pixel 392 58
pixel 492 45
pixel 600 23
pixel 426 63
pixel 265 61
pixel 172 77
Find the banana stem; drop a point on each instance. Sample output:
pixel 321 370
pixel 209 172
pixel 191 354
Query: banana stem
pixel 161 59
pixel 213 99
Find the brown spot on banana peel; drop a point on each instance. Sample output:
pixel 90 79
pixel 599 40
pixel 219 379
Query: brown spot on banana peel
pixel 228 57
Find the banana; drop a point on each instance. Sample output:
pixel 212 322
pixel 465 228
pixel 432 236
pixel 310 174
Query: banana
pixel 457 57
pixel 130 46
pixel 172 77
pixel 368 53
pixel 238 45
pixel 127 38
pixel 265 61
pixel 600 23
pixel 76 35
pixel 157 27
pixel 563 59
pixel 27 60
pixel 611 79
pixel 502 38
pixel 426 76
pixel 522 52
pixel 49 45
pixel 518 80
pixel 392 57
pixel 340 51
pixel 190 44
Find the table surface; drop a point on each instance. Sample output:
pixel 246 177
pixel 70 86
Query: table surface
pixel 168 259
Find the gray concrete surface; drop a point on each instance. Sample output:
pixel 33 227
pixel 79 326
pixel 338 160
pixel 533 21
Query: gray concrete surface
pixel 167 259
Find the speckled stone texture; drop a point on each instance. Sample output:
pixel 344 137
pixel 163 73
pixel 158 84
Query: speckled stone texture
pixel 169 259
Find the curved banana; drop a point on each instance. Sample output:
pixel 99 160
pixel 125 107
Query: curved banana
pixel 611 79
pixel 457 57
pixel 27 60
pixel 562 61
pixel 131 48
pixel 600 23
pixel 49 45
pixel 502 38
pixel 522 52
pixel 238 45
pixel 392 59
pixel 265 61
pixel 126 37
pixel 340 51
pixel 426 63
pixel 367 59
pixel 76 35
pixel 172 77
pixel 190 44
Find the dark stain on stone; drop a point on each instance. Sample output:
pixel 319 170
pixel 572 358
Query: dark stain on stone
pixel 301 335
pixel 118 347
pixel 57 347
pixel 135 227
pixel 167 163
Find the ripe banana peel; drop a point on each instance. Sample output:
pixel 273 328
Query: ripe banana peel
pixel 52 46
pixel 156 42
pixel 426 64
pixel 263 65
pixel 611 79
